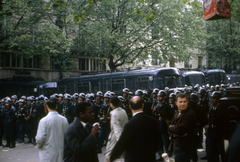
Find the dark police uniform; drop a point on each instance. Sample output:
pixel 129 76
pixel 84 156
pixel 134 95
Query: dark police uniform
pixel 127 109
pixel 67 111
pixel 215 138
pixel 35 115
pixel 147 107
pixel 10 125
pixel 162 113
pixel 203 108
pixel 21 122
pixel 2 112
pixel 96 108
pixel 27 108
pixel 193 105
pixel 102 116
pixel 60 107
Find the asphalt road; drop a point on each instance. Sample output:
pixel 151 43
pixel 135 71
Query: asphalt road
pixel 29 153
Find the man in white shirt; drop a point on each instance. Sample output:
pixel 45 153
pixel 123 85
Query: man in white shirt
pixel 118 119
pixel 50 134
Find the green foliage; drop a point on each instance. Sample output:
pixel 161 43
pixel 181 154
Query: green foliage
pixel 128 32
pixel 124 31
pixel 222 41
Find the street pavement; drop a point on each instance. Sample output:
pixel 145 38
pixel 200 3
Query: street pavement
pixel 29 153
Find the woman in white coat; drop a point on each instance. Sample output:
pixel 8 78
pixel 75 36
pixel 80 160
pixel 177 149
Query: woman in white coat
pixel 118 119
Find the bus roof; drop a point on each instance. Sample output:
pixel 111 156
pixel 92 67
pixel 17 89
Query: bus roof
pixel 153 71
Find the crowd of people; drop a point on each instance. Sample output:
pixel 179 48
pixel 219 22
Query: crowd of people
pixel 20 119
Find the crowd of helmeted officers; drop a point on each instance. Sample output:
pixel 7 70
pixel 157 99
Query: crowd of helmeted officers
pixel 19 118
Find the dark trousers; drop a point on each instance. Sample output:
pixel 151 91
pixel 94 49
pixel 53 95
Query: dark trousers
pixel 1 133
pixel 10 141
pixel 21 130
pixel 101 136
pixel 215 148
pixel 29 131
pixel 194 155
pixel 181 156
pixel 164 141
pixel 33 127
pixel 200 136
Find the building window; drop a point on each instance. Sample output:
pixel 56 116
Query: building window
pixel 154 60
pixel 36 61
pixel 83 64
pixel 53 63
pixel 186 64
pixel 171 64
pixel 27 61
pixel 16 58
pixel 103 65
pixel 199 62
pixel 5 59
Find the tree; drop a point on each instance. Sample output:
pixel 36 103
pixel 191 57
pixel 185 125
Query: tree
pixel 222 41
pixel 128 31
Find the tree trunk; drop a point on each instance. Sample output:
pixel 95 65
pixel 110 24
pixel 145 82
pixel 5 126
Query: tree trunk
pixel 111 64
pixel 60 69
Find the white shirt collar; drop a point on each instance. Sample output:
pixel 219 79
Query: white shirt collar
pixel 137 113
pixel 84 124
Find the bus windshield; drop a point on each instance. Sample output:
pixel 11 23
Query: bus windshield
pixel 172 81
pixel 196 79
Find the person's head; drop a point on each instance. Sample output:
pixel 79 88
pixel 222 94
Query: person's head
pixel 161 95
pixel 125 92
pixel 60 98
pixel 52 104
pixel 106 99
pixel 136 103
pixel 84 112
pixel 20 103
pixel 154 95
pixel 80 99
pixel 114 102
pixel 67 100
pixel 215 97
pixel 125 95
pixel 7 104
pixel 181 101
pixel 13 100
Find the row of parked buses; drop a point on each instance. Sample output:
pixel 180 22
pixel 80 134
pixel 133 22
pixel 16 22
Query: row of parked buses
pixel 147 79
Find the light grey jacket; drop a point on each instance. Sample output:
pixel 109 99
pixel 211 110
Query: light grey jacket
pixel 50 137
pixel 118 119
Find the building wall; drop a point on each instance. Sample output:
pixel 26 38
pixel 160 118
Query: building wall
pixel 46 71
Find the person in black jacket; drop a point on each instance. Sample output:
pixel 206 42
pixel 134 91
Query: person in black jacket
pixel 21 120
pixel 162 113
pixel 139 138
pixel 182 129
pixel 80 141
pixel 9 124
pixel 68 109
pixel 215 129
pixel 2 112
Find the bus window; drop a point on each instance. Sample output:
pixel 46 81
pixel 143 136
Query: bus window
pixel 159 82
pixel 70 88
pixel 172 81
pixel 142 83
pixel 130 83
pixel 83 87
pixel 107 85
pixel 196 79
pixel 95 86
pixel 117 84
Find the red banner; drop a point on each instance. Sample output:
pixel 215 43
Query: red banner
pixel 216 9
